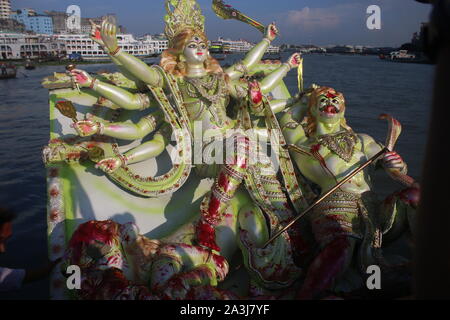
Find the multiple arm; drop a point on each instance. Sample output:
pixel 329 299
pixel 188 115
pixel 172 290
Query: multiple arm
pixel 253 56
pixel 97 37
pixel 121 97
pixel 294 106
pixel 273 79
pixel 135 67
pixel 147 150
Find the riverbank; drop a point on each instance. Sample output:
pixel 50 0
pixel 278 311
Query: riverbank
pixel 37 63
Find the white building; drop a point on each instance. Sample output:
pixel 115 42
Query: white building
pixel 19 46
pixel 239 46
pixel 5 9
pixel 160 43
pixel 90 50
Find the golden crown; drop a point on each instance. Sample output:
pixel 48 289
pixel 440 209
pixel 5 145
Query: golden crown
pixel 181 15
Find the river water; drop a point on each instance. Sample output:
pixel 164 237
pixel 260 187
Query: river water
pixel 371 87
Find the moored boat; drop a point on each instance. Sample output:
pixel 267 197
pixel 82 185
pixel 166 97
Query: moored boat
pixel 30 65
pixel 7 71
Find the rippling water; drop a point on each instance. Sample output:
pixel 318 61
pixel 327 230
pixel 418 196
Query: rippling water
pixel 371 87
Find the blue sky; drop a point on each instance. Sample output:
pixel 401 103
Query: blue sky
pixel 322 22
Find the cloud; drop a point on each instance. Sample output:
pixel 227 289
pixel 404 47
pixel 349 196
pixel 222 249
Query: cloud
pixel 308 18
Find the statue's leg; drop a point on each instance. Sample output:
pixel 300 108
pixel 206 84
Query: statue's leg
pixel 253 223
pixel 178 267
pixel 332 261
pixel 228 181
pixel 398 212
pixel 181 284
pixel 163 269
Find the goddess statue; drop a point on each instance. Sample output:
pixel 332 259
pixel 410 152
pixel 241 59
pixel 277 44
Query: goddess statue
pixel 201 91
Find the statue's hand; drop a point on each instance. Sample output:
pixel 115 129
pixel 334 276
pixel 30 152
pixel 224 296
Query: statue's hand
pixel 87 128
pixel 96 34
pixel 392 160
pixel 109 36
pixel 110 165
pixel 294 60
pixel 271 32
pixel 82 78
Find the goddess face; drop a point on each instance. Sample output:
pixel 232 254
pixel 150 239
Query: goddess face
pixel 196 51
pixel 329 107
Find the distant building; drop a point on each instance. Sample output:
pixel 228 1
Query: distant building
pixel 159 41
pixel 342 49
pixel 86 25
pixel 83 45
pixel 37 23
pixel 60 23
pixel 20 46
pixel 10 25
pixel 236 46
pixel 5 9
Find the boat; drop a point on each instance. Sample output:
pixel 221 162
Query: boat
pixel 29 65
pixel 7 71
pixel 404 57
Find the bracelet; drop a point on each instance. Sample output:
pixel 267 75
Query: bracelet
pixel 240 67
pixel 144 101
pixel 101 128
pixel 93 83
pixel 291 125
pixel 123 158
pixel 288 65
pixel 268 40
pixel 152 121
pixel 115 52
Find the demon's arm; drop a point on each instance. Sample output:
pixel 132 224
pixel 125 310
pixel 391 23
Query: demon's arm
pixel 253 56
pixel 391 161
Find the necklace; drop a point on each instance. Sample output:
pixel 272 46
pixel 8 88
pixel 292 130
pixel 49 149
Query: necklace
pixel 202 87
pixel 342 143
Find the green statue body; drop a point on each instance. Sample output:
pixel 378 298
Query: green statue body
pixel 326 150
pixel 202 91
pixel 189 93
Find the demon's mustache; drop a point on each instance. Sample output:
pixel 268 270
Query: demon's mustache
pixel 330 108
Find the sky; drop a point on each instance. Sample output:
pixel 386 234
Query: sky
pixel 320 22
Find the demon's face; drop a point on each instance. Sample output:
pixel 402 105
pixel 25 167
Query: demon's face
pixel 327 105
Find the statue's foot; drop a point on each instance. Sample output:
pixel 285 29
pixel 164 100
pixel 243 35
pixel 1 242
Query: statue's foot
pixel 206 236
